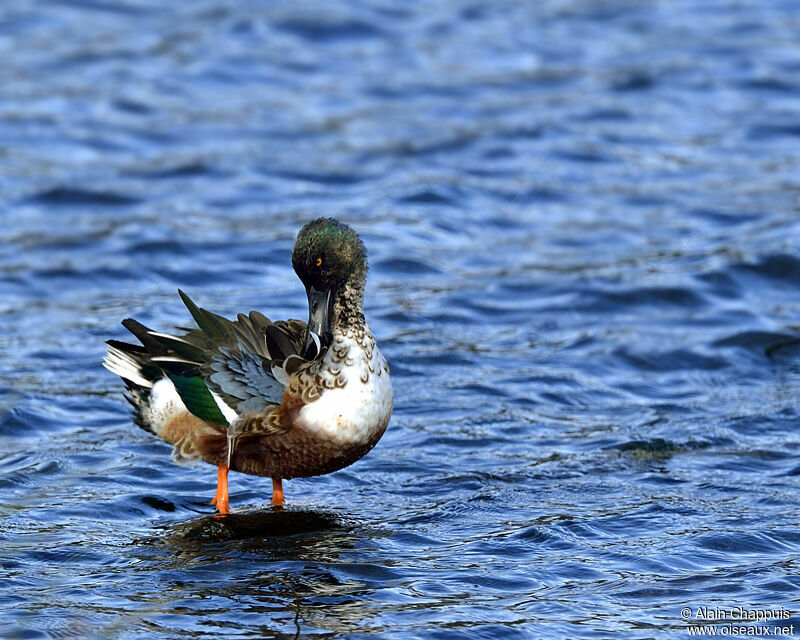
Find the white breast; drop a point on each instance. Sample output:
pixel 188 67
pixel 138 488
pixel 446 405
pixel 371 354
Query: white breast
pixel 355 412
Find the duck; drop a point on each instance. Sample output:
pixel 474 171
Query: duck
pixel 284 399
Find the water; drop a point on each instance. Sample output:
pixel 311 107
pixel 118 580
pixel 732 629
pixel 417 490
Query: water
pixel 582 220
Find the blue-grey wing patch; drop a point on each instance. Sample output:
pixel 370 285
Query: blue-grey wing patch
pixel 241 379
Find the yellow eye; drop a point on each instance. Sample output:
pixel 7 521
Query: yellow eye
pixel 319 262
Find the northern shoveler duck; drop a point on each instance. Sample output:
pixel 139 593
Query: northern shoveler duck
pixel 284 399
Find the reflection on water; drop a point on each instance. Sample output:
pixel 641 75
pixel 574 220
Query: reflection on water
pixel 275 523
pixel 279 566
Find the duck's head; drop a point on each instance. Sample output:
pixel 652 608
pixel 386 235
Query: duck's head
pixel 331 261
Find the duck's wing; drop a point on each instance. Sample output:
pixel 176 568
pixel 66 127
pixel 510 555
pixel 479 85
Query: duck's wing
pixel 225 368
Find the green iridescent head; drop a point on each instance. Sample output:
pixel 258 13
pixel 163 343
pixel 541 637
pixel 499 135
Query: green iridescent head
pixel 328 254
pixel 331 261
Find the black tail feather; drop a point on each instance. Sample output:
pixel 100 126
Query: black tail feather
pixel 151 345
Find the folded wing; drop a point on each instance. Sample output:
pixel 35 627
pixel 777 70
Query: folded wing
pixel 223 367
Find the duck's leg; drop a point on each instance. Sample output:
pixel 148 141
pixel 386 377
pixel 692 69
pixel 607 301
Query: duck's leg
pixel 277 492
pixel 221 498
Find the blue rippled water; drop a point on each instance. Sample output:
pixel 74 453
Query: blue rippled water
pixel 582 219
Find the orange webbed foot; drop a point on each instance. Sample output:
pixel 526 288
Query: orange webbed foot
pixel 221 497
pixel 277 492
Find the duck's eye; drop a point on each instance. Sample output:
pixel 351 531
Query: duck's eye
pixel 319 262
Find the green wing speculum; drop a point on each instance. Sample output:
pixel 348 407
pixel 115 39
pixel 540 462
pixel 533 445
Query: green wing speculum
pixel 197 398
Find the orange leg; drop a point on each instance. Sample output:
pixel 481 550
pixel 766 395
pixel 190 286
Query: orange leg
pixel 277 492
pixel 221 498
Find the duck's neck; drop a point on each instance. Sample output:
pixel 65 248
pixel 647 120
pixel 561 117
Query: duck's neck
pixel 348 309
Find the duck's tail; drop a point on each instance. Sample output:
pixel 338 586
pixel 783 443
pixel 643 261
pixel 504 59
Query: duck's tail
pixel 157 405
pixel 143 378
pixel 132 364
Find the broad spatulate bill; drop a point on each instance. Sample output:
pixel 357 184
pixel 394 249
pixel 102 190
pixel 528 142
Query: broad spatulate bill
pixel 283 399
